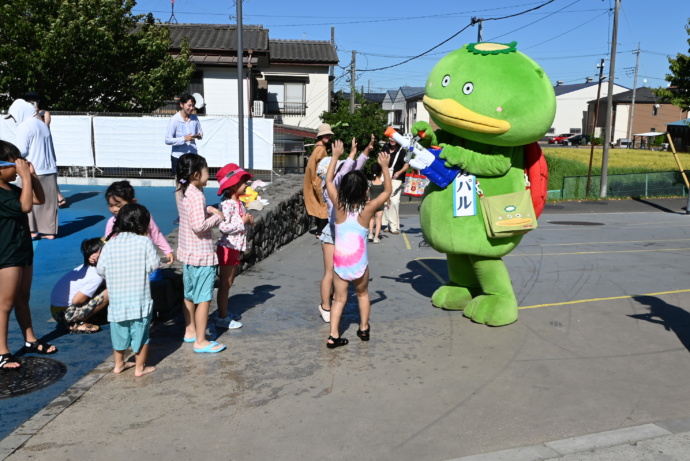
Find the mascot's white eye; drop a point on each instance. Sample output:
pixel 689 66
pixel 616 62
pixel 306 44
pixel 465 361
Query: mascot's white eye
pixel 509 216
pixel 468 88
pixel 445 81
pixel 518 216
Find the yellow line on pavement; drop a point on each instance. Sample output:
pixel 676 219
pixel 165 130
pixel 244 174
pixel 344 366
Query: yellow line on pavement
pixel 603 299
pixel 431 271
pixel 407 242
pixel 605 243
pixel 596 252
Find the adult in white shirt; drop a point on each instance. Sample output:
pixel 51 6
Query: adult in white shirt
pixel 35 144
pixel 183 131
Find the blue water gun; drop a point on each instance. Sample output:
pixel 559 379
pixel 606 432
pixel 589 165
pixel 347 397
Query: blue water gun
pixel 427 161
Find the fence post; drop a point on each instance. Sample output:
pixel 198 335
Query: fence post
pixel 646 185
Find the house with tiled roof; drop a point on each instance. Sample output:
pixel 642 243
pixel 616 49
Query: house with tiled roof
pixel 285 80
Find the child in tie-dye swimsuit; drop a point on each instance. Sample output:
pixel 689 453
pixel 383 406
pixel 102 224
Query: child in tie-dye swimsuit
pixel 350 262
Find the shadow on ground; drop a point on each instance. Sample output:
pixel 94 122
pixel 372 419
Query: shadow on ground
pixel 79 224
pixel 420 278
pixel 655 205
pixel 78 197
pixel 671 317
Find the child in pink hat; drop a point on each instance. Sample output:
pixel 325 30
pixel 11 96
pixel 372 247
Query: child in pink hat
pixel 232 182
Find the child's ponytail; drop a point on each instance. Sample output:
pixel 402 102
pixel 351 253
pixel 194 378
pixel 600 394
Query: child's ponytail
pixel 187 166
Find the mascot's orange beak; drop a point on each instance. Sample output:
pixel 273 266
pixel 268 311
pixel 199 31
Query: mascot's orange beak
pixel 451 112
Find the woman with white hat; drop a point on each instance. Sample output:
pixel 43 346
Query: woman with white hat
pixel 313 197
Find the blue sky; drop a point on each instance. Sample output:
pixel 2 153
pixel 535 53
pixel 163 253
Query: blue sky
pixel 567 38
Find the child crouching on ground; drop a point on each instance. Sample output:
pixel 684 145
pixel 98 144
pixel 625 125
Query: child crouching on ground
pixel 232 182
pixel 80 293
pixel 126 263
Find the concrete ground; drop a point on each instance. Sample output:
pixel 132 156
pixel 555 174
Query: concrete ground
pixel 596 367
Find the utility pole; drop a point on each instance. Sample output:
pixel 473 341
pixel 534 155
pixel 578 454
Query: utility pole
pixel 240 85
pixel 632 105
pixel 331 72
pixel 594 126
pixel 609 105
pixel 352 82
pixel 480 28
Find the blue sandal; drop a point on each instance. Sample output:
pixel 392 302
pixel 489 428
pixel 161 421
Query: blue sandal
pixel 210 348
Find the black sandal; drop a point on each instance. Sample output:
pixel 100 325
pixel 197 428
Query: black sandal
pixel 38 347
pixel 364 334
pixel 337 342
pixel 8 358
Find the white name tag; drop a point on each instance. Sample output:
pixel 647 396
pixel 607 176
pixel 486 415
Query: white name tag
pixel 465 195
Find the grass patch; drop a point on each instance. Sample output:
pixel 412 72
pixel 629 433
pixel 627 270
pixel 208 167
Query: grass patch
pixel 575 162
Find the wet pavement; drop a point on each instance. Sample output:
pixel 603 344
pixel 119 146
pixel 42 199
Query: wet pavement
pixel 598 358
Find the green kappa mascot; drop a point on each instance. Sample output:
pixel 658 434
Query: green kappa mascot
pixel 491 104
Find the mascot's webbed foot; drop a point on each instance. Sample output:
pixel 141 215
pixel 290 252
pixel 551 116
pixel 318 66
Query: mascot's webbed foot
pixel 452 297
pixel 492 310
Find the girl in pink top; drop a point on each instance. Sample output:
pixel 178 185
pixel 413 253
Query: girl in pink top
pixel 352 215
pixel 119 194
pixel 232 182
pixel 196 249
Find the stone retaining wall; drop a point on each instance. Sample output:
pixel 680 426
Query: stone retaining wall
pixel 284 219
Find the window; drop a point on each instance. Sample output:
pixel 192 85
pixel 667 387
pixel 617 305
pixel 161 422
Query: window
pixel 286 98
pixel 576 130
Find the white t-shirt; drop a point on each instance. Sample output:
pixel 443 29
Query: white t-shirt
pixel 83 279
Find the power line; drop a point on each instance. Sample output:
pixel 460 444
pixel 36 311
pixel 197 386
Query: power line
pixel 472 22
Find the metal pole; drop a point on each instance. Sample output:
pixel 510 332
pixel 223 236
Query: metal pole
pixel 632 105
pixel 240 85
pixel 352 82
pixel 594 126
pixel 609 105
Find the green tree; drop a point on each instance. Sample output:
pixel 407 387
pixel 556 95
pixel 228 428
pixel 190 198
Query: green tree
pixel 88 55
pixel 368 118
pixel 678 93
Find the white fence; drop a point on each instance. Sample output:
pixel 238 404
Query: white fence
pixel 139 142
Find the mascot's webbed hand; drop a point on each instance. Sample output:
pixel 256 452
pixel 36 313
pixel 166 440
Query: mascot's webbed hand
pixel 475 162
pixel 424 128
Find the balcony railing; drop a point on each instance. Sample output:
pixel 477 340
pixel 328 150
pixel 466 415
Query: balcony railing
pixel 286 108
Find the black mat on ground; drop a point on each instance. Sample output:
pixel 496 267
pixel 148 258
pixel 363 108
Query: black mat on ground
pixel 35 373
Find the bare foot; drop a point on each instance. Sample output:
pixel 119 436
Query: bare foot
pixel 48 236
pixel 126 366
pixel 145 371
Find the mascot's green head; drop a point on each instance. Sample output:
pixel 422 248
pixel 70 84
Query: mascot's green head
pixel 491 93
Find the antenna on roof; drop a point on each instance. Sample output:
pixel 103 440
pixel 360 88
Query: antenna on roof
pixel 173 19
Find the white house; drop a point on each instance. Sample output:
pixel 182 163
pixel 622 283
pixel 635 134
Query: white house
pixel 405 107
pixel 572 103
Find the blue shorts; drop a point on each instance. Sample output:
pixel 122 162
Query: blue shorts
pixel 198 283
pixel 130 333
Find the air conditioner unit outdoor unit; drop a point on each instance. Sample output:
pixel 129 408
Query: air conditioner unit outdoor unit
pixel 258 109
